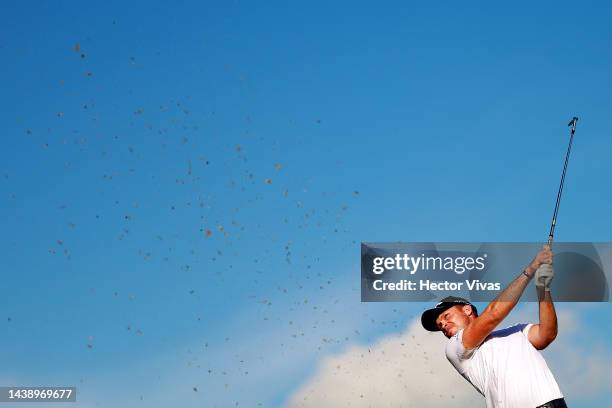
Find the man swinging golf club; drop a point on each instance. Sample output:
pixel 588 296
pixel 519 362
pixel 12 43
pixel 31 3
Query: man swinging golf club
pixel 503 365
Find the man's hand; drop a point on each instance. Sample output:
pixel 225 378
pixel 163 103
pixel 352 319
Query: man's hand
pixel 544 276
pixel 544 271
pixel 544 257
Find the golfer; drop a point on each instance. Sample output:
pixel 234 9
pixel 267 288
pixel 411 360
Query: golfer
pixel 503 365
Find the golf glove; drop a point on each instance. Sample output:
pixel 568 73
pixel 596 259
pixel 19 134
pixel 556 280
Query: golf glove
pixel 544 276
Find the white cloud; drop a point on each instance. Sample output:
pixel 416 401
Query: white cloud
pixel 406 370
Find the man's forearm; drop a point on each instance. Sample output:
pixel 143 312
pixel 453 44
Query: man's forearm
pixel 548 316
pixel 501 306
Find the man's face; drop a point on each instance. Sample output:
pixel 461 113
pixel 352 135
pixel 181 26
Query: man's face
pixel 453 319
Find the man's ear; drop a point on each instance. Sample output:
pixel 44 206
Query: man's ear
pixel 467 309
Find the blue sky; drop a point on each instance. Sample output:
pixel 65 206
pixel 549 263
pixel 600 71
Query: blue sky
pixel 186 189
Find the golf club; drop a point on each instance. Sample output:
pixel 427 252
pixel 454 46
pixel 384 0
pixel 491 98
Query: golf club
pixel 572 125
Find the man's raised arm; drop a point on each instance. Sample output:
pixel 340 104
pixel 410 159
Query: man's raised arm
pixel 541 335
pixel 478 330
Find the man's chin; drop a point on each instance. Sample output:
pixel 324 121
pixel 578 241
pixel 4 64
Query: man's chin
pixel 450 333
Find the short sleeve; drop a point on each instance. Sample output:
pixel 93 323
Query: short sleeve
pixel 456 353
pixel 525 328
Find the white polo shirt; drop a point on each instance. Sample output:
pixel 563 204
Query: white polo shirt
pixel 506 369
